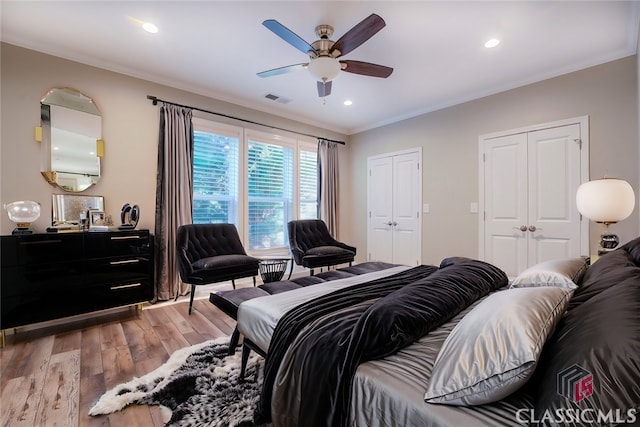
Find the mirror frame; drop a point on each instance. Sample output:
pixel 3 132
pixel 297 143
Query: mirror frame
pixel 71 105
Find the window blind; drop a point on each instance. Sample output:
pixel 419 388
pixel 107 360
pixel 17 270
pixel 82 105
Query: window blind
pixel 215 178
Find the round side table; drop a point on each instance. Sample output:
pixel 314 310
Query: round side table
pixel 273 269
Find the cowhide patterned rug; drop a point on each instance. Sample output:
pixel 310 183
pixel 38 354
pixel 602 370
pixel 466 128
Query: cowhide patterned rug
pixel 198 384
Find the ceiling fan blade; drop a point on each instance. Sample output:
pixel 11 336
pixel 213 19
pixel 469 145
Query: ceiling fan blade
pixel 283 70
pixel 359 34
pixel 324 89
pixel 366 68
pixel 289 36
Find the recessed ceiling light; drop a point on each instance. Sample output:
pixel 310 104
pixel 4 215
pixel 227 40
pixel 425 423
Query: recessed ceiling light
pixel 348 102
pixel 491 43
pixel 149 27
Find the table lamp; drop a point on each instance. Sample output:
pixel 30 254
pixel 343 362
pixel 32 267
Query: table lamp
pixel 606 201
pixel 23 213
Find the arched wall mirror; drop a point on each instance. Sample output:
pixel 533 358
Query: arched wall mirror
pixel 71 139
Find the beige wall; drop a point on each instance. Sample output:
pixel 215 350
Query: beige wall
pixel 130 131
pixel 449 138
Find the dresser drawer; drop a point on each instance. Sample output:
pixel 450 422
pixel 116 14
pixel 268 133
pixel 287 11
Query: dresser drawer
pixel 40 306
pixel 35 279
pixel 118 270
pixel 116 244
pixel 121 294
pixel 38 249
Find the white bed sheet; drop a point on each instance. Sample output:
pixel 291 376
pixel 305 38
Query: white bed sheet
pixel 258 317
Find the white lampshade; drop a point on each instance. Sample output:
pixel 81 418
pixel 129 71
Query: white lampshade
pixel 606 200
pixel 324 68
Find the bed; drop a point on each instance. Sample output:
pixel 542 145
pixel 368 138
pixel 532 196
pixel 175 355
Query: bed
pixel 388 382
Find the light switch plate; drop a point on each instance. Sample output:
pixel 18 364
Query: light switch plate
pixel 473 208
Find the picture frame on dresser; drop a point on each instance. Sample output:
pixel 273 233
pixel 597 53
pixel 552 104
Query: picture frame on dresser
pixel 97 219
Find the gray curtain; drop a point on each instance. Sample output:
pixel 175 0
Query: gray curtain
pixel 174 195
pixel 328 184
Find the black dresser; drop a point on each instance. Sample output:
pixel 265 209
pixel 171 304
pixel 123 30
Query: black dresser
pixel 54 275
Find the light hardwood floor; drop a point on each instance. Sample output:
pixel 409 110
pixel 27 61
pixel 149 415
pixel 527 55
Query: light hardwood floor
pixel 52 376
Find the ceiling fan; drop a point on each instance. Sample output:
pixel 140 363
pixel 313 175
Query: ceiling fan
pixel 324 52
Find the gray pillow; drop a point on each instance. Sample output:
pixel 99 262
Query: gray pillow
pixel 563 273
pixel 494 349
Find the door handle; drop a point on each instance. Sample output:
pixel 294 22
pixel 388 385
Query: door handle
pixel 521 228
pixel 532 228
pixel 389 223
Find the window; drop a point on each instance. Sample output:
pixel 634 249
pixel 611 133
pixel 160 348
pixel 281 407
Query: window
pixel 256 180
pixel 215 176
pixel 270 187
pixel 308 188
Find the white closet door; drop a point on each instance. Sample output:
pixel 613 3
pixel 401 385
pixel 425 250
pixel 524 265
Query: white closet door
pixel 380 199
pixel 554 177
pixel 406 210
pixel 394 199
pixel 530 181
pixel 505 177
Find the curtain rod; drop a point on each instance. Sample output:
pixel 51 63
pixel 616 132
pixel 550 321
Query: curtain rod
pixel 155 101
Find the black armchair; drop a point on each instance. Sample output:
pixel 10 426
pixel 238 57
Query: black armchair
pixel 211 253
pixel 312 246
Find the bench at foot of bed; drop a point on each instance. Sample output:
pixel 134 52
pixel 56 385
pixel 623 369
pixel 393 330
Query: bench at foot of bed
pixel 229 300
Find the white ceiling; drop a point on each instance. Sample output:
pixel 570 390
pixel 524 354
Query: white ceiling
pixel 215 48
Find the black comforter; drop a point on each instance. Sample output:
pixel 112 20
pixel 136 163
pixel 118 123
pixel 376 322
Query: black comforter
pixel 361 323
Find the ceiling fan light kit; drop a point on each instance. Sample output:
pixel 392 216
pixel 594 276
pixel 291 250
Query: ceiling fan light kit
pixel 323 64
pixel 324 68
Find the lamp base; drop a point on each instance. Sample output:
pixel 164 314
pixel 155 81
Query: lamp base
pixel 608 243
pixel 21 231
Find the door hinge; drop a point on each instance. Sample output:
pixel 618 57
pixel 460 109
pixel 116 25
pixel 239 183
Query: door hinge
pixel 579 142
pixel 369 214
pixel 484 157
pixel 418 215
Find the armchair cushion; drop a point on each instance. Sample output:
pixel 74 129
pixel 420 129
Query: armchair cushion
pixel 329 250
pixel 226 262
pixel 331 258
